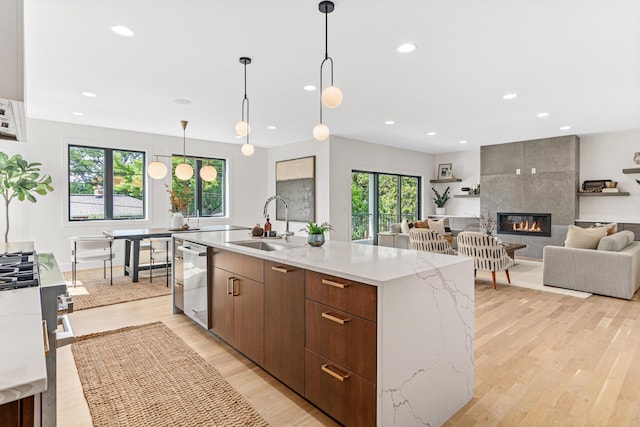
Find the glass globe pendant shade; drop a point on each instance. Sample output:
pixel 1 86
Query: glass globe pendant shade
pixel 208 173
pixel 243 128
pixel 321 132
pixel 157 170
pixel 184 171
pixel 332 97
pixel 247 149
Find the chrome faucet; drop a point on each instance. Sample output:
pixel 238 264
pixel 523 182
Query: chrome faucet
pixel 287 233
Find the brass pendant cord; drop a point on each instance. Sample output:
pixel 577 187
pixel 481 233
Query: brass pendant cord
pixel 184 124
pixel 326 8
pixel 245 61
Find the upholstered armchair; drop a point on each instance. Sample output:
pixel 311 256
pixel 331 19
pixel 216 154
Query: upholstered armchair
pixel 487 252
pixel 425 239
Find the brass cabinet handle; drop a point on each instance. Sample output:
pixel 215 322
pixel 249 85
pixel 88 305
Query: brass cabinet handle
pixel 233 287
pixel 280 269
pixel 334 318
pixel 46 337
pixel 228 281
pixel 334 284
pixel 325 368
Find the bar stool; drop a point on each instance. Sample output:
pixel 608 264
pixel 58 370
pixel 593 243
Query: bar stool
pixel 160 246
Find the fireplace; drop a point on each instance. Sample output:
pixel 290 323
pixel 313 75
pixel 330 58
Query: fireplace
pixel 530 224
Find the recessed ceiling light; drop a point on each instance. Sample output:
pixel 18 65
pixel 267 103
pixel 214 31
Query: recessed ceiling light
pixel 431 133
pixel 89 94
pixel 310 88
pixel 76 113
pixel 272 127
pixel 565 128
pixel 239 136
pixel 542 115
pixel 389 122
pixel 122 31
pixel 510 96
pixel 463 141
pixel 406 48
pixel 181 101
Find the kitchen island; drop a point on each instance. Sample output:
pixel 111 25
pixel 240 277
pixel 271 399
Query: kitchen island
pixel 404 334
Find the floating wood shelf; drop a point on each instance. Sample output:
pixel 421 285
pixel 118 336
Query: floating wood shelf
pixel 444 181
pixel 462 196
pixel 631 170
pixel 620 193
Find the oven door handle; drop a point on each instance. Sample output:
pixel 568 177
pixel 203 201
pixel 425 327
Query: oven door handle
pixel 66 337
pixel 191 251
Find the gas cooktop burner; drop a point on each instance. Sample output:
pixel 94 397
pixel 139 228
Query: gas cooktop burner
pixel 18 270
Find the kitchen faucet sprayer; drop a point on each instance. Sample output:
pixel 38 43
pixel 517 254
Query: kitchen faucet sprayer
pixel 287 233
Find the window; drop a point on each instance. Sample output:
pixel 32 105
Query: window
pixel 378 200
pixel 105 184
pixel 201 198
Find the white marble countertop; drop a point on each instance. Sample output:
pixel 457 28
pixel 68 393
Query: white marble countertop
pixel 374 265
pixel 22 361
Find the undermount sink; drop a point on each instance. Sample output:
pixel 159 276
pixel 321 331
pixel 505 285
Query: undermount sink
pixel 265 246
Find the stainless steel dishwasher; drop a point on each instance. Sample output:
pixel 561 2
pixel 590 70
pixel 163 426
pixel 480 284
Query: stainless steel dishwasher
pixel 194 273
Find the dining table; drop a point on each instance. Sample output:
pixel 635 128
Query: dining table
pixel 134 236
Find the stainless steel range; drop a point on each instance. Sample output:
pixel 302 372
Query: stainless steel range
pixel 18 270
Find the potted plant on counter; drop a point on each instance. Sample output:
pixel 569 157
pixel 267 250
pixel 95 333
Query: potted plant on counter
pixel 440 200
pixel 316 233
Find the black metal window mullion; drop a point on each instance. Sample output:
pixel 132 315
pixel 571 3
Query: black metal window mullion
pixel 198 202
pixel 108 184
pixel 376 214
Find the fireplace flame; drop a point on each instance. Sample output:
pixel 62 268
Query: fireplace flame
pixel 525 226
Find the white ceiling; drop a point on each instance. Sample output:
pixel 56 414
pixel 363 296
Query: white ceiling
pixel 578 60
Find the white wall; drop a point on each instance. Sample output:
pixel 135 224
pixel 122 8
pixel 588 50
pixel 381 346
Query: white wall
pixel 603 156
pixel 349 154
pixel 45 222
pixel 296 150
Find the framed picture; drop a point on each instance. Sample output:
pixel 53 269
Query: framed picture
pixel 445 171
pixel 296 183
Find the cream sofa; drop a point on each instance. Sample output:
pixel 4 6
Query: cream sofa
pixel 613 269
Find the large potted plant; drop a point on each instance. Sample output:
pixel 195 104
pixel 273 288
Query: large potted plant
pixel 21 179
pixel 440 200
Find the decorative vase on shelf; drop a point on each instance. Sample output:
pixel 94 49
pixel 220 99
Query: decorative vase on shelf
pixel 316 240
pixel 636 158
pixel 439 211
pixel 177 221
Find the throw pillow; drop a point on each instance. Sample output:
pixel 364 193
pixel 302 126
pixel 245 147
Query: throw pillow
pixel 404 226
pixel 611 227
pixel 421 224
pixel 584 238
pixel 438 226
pixel 615 242
pixel 395 228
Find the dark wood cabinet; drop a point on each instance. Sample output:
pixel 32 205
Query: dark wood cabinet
pixel 19 413
pixel 284 329
pixel 341 348
pixel 237 303
pixel 347 397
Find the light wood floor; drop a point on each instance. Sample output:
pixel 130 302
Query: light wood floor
pixel 541 359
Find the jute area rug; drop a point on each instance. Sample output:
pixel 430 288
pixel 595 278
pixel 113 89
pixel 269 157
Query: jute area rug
pixel 147 376
pixel 92 290
pixel 525 274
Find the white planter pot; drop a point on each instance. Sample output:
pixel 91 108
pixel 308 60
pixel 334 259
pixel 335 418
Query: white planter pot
pixel 439 211
pixel 177 221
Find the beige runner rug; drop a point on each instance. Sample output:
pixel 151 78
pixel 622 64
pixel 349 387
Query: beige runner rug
pixel 147 376
pixel 93 290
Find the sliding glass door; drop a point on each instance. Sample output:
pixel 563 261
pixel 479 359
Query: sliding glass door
pixel 378 200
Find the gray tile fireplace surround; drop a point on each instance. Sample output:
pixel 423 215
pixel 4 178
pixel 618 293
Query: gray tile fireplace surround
pixel 539 176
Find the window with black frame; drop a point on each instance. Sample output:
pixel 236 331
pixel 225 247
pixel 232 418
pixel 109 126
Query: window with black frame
pixel 105 184
pixel 201 198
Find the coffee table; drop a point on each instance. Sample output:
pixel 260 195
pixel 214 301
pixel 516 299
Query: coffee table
pixel 512 247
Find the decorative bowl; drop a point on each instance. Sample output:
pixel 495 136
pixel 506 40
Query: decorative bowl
pixel 611 184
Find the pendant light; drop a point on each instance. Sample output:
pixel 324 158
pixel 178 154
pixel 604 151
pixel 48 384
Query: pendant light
pixel 331 96
pixel 242 127
pixel 184 171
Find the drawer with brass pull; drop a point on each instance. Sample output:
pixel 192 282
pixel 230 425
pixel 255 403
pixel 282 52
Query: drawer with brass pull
pixel 346 295
pixel 344 395
pixel 347 340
